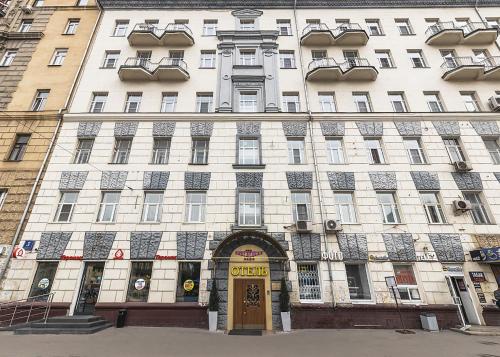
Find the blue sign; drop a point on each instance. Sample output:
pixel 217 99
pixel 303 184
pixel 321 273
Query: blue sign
pixel 487 255
pixel 29 245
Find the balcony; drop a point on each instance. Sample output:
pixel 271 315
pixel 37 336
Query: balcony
pixel 354 69
pixel 344 35
pixel 448 33
pixel 139 69
pixel 151 35
pixel 469 69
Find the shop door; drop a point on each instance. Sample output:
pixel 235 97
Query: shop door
pixel 496 272
pixel 466 304
pixel 249 304
pixel 89 290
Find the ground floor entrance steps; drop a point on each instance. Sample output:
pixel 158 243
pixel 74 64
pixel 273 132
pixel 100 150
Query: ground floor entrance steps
pixel 76 325
pixel 479 330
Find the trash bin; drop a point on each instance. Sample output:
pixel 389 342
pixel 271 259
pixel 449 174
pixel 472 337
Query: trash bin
pixel 120 320
pixel 429 322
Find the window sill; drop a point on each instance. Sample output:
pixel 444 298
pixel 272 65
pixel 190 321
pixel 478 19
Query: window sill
pixel 105 223
pixel 118 163
pixel 149 223
pixel 67 34
pixel 235 227
pixel 388 67
pixel 54 65
pixel 249 167
pixel 107 67
pixel 206 67
pixel 424 67
pixel 423 164
pixel 288 67
pixel 311 301
pixel 257 66
pixel 195 164
pixel 363 302
pixel 186 223
pixel 408 34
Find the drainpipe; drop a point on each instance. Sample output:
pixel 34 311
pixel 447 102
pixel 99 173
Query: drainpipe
pixel 32 194
pixel 313 147
pixel 483 20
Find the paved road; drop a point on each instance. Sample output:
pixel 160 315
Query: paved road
pixel 150 341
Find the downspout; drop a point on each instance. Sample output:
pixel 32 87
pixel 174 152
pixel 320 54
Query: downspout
pixel 483 20
pixel 313 147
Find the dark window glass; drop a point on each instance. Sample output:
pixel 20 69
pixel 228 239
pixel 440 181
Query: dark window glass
pixel 140 280
pixel 44 277
pixel 188 282
pixel 19 148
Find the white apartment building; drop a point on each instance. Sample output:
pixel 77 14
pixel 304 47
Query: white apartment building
pixel 329 144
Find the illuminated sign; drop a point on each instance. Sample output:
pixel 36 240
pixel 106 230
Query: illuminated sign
pixel 248 271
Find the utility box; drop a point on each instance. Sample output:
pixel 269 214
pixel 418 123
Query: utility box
pixel 429 322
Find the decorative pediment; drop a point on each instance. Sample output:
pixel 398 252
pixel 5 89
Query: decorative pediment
pixel 246 13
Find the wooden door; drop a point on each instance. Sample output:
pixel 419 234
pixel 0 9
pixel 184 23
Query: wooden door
pixel 249 304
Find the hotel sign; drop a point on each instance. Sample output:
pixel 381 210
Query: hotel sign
pixel 248 271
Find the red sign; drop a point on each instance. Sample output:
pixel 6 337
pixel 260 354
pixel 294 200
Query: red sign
pixel 477 276
pixel 165 257
pixel 118 255
pixel 18 252
pixel 71 257
pixel 248 254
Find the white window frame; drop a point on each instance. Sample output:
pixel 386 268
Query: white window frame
pixel 372 24
pixel 121 28
pixel 103 206
pixel 287 59
pixel 494 152
pixel 362 98
pixel 247 25
pixel 248 102
pixel 370 288
pixel 454 149
pixel 284 24
pixel 379 149
pixel 417 58
pixel 82 155
pixel 398 99
pixel 71 26
pixel 63 203
pixel 98 102
pixel 408 288
pixel 291 99
pixel 248 155
pixel 404 23
pixel 168 102
pixel 201 203
pixel 341 206
pixel 339 150
pixel 161 154
pixel 313 293
pixel 40 100
pixel 254 207
pixel 59 56
pixel 195 149
pixel 207 59
pixel 3 196
pixel 133 103
pixel 419 150
pixel 8 58
pixel 327 102
pixel 435 207
pixel 479 207
pixel 301 198
pixel 434 102
pixel 155 206
pixel 470 101
pixel 121 155
pixel 111 59
pixel 384 55
pixel 248 57
pixel 204 99
pixel 25 25
pixel 296 145
pixel 210 27
pixel 387 208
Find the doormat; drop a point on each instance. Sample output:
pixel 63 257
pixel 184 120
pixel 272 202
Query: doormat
pixel 245 332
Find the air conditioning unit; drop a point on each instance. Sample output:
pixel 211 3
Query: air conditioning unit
pixel 462 166
pixel 494 103
pixel 27 9
pixel 303 226
pixel 332 225
pixel 461 206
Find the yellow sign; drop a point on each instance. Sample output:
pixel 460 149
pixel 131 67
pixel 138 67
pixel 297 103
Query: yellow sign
pixel 188 285
pixel 248 271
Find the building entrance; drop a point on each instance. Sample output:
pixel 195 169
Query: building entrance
pixel 89 289
pixel 249 304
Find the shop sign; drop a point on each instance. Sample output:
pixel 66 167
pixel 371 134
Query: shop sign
pixel 332 256
pixel 248 271
pixel 28 245
pixel 453 268
pixel 140 284
pixel 477 276
pixel 43 283
pixel 378 258
pixel 118 255
pixel 18 253
pixel 188 285
pixel 486 255
pixel 426 257
pixel 71 257
pixel 248 254
pixel 479 293
pixel 165 257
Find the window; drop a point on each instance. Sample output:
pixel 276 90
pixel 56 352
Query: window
pixel 291 102
pixel 44 277
pixel 204 102
pixel 8 58
pixel 404 27
pixel 152 22
pixel 40 100
pixel 398 102
pixel 247 24
pixel 319 54
pixel 493 22
pixel 25 25
pixel 139 282
pixel 195 206
pixel 3 196
pixel 470 101
pixel 248 58
pixel 287 59
pixel 144 57
pixel 207 59
pixel 454 150
pixel 71 26
pixel 111 59
pixel 19 148
pixel 357 281
pixel 309 283
pixel 168 102
pixel 493 149
pixel 248 102
pixel 122 150
pixel 301 206
pixel 389 207
pixel 38 3
pixel 83 151
pixel 209 27
pixel 151 212
pixel 407 284
pixel 58 57
pixel 188 271
pixel 296 154
pixel 66 206
pixel 249 210
pixel 248 151
pixel 414 150
pixel 284 27
pixel 374 27
pixel 344 206
pixel 384 58
pixel 362 102
pixel 98 102
pixel 432 207
pixel 108 206
pixel 417 58
pixel 375 151
pixel 479 212
pixel 133 102
pixel 199 151
pixel 327 102
pixel 161 150
pixel 82 2
pixel 434 102
pixel 335 151
pixel 121 27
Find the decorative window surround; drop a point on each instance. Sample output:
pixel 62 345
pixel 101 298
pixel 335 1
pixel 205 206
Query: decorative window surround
pixel 164 129
pixel 73 180
pixel 342 181
pixel 400 247
pixel 332 128
pixel 486 128
pixel 409 128
pixel 354 246
pixel 126 128
pixel 144 245
pixel 425 181
pixel 306 246
pixel 88 129
pixel 191 245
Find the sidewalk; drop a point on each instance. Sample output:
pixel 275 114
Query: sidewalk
pixel 150 341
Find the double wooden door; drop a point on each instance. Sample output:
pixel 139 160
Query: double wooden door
pixel 249 304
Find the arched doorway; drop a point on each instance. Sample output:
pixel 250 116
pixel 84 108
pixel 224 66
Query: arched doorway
pixel 248 267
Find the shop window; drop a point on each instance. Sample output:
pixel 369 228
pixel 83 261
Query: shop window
pixel 188 282
pixel 44 277
pixel 407 284
pixel 140 280
pixel 357 280
pixel 309 284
